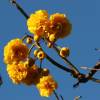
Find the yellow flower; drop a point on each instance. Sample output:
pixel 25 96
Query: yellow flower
pixel 64 52
pixel 38 22
pixel 32 76
pixel 60 25
pixel 17 72
pixel 46 86
pixel 15 51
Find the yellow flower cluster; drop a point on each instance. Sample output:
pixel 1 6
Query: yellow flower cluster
pixel 22 69
pixel 38 23
pixel 53 28
pixel 46 86
pixel 15 51
pixel 20 73
pixel 60 25
pixel 17 72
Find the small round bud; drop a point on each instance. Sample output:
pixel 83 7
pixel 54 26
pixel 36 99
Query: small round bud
pixel 64 52
pixel 49 44
pixel 52 37
pixel 36 52
pixel 45 71
pixel 36 38
pixel 41 55
pixel 29 40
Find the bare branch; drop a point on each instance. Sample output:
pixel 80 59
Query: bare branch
pixel 95 80
pixel 19 8
pixel 92 72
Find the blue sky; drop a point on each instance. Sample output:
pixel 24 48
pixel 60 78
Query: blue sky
pixel 84 16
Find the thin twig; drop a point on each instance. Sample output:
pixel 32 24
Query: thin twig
pixel 95 80
pixel 93 72
pixel 86 68
pixel 31 49
pixel 56 95
pixel 1 81
pixel 61 97
pixel 41 63
pixel 20 8
pixel 97 49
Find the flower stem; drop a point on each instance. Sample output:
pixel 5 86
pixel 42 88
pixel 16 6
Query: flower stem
pixel 20 8
pixel 61 97
pixel 31 49
pixel 56 95
pixel 41 63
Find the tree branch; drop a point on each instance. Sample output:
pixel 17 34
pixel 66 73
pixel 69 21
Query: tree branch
pixel 20 8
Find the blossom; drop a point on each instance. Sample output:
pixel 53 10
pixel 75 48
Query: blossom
pixel 46 86
pixel 38 22
pixel 15 51
pixel 32 75
pixel 17 72
pixel 60 25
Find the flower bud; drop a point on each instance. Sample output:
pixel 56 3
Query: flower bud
pixel 41 55
pixel 35 52
pixel 29 40
pixel 45 71
pixel 36 38
pixel 64 52
pixel 52 38
pixel 49 44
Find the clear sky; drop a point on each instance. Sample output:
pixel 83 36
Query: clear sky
pixel 85 36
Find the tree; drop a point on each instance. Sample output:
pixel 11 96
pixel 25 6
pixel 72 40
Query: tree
pixel 49 33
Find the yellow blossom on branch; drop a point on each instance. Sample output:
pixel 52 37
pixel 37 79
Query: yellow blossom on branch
pixel 60 25
pixel 15 51
pixel 46 86
pixel 38 22
pixel 32 75
pixel 17 72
